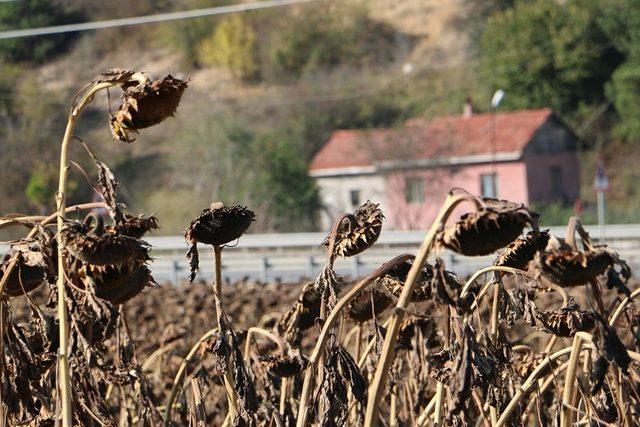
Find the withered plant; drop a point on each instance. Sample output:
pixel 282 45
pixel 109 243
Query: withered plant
pixel 547 333
pixel 97 269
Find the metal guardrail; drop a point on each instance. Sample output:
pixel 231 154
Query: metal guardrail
pixel 617 232
pixel 292 256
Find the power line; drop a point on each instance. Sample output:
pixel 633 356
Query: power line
pixel 147 19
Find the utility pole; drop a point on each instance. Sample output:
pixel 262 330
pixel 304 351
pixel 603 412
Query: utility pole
pixel 495 102
pixel 601 186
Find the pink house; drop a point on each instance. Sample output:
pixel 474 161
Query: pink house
pixel 523 156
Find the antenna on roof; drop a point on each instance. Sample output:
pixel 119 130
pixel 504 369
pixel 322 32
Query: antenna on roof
pixel 497 98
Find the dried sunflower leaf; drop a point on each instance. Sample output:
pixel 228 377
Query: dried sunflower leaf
pixel 108 185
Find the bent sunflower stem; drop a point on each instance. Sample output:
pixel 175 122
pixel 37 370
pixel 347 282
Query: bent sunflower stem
pixel 179 375
pixel 465 289
pixel 64 380
pixel 568 393
pixel 378 384
pixel 528 385
pixel 622 305
pixel 303 409
pixel 254 330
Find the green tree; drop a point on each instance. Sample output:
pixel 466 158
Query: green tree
pixel 544 53
pixel 292 197
pixel 624 91
pixel 28 14
pixel 231 45
pixel 621 19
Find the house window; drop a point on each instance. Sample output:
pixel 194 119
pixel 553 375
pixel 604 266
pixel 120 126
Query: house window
pixel 354 198
pixel 555 175
pixel 489 185
pixel 414 190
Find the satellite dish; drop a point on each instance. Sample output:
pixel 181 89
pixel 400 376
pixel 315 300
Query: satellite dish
pixel 497 98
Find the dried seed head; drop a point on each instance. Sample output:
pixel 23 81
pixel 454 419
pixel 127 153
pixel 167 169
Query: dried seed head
pixel 219 225
pixel 520 252
pixel 359 231
pixel 393 280
pixel 134 226
pixel 92 245
pixel 284 365
pixel 566 321
pixel 301 316
pixel 120 284
pixel 367 304
pixel 569 268
pixel 216 226
pixel 413 325
pixel 146 104
pixel 34 265
pixel 488 229
pixel 29 272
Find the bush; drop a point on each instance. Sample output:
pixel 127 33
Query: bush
pixel 185 35
pixel 42 185
pixel 231 45
pixel 323 37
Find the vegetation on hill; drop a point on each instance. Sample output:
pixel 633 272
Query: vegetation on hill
pixel 270 86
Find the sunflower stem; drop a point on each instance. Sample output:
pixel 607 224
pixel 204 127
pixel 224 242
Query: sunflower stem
pixel 217 295
pixel 388 351
pixel 569 381
pixel 493 413
pixel 64 380
pixel 303 407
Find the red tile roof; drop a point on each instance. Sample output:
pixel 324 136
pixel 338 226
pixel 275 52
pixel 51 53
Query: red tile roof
pixel 441 137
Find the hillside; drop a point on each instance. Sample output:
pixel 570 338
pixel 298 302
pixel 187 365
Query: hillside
pixel 266 89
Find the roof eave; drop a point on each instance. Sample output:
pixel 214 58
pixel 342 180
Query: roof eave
pixel 389 165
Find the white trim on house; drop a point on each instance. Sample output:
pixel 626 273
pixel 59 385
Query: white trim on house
pixel 351 170
pixel 417 163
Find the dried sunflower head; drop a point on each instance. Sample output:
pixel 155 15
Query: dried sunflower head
pixel 368 303
pixel 488 229
pixel 216 226
pixel 358 231
pixel 119 284
pixel 219 224
pixel 88 242
pixel 34 264
pixel 413 325
pixel 566 321
pixel 394 278
pixel 135 226
pixel 146 104
pixel 32 269
pixel 301 316
pixel 520 252
pixel 569 268
pixel 284 365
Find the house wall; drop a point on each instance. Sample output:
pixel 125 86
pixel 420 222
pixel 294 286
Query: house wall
pixel 335 194
pixel 511 185
pixel 553 146
pixel 539 166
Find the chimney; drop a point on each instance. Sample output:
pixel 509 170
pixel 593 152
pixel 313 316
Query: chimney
pixel 467 109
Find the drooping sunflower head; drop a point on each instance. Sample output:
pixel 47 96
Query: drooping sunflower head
pixel 496 224
pixel 146 104
pixel 357 231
